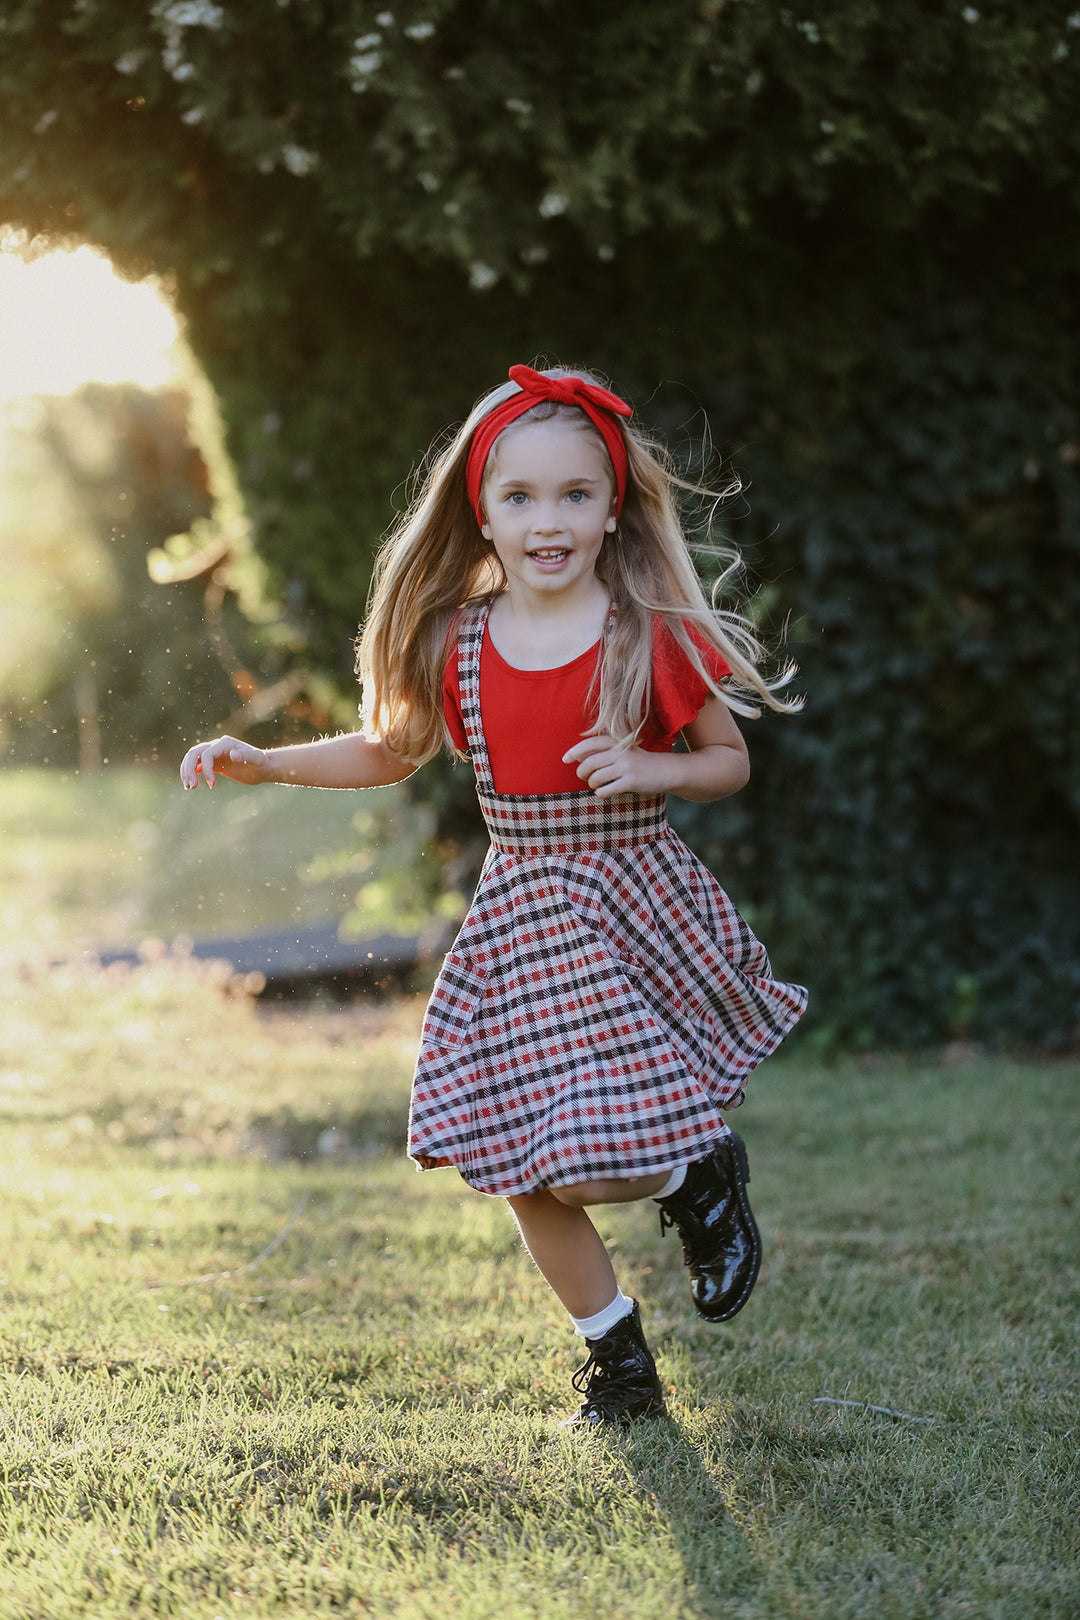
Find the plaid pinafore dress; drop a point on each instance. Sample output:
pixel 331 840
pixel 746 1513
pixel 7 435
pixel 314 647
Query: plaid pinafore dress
pixel 602 1001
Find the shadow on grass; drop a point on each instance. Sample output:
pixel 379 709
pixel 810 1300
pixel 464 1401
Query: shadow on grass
pixel 682 1465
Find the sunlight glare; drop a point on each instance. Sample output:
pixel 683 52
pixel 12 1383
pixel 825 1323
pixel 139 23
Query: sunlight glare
pixel 67 318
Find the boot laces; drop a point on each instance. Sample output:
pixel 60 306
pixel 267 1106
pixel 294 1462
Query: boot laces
pixel 688 1228
pixel 589 1373
pixel 607 1390
pixel 682 1222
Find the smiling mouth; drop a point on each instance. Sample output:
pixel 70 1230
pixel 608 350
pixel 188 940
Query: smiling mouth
pixel 550 554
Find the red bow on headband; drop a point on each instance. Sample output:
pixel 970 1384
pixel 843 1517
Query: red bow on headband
pixel 599 405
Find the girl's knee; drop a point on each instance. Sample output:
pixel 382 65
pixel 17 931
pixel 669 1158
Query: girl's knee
pixel 613 1191
pixel 581 1194
pixel 551 1201
pixel 522 1203
pixel 575 1197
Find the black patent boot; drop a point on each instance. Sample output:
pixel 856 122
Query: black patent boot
pixel 619 1379
pixel 721 1243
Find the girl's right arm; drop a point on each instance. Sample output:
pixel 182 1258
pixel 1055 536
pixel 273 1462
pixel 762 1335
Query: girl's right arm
pixel 352 760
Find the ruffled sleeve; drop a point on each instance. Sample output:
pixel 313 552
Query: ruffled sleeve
pixel 679 692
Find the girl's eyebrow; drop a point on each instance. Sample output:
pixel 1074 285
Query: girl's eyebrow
pixel 567 483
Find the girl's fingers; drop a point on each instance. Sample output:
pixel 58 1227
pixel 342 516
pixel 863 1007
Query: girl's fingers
pixel 210 759
pixel 591 759
pixel 199 761
pixel 190 767
pixel 594 742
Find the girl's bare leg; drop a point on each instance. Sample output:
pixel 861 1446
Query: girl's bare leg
pixel 611 1192
pixel 568 1250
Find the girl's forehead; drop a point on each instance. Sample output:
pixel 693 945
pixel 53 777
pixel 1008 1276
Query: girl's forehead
pixel 558 445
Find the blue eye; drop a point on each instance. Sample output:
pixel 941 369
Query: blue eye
pixel 517 498
pixel 577 496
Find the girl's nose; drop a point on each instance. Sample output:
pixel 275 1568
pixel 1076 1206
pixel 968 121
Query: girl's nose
pixel 547 519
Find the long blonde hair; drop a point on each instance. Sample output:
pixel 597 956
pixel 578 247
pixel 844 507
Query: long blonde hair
pixel 435 561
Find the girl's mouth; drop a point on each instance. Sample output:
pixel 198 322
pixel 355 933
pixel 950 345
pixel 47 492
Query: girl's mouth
pixel 550 554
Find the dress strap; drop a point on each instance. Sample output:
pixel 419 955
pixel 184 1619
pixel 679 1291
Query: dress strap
pixel 542 824
pixel 471 628
pixel 470 641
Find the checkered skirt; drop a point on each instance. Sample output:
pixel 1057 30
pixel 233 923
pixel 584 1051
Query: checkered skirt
pixel 602 1001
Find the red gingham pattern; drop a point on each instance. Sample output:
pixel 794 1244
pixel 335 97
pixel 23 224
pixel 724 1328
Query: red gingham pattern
pixel 603 1000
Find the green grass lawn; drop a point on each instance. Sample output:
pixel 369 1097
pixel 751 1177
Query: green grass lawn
pixel 120 855
pixel 364 1421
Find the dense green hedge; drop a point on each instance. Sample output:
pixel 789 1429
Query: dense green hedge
pixel 849 236
pixel 915 833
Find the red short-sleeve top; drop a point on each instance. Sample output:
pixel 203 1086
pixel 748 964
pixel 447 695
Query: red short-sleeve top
pixel 532 716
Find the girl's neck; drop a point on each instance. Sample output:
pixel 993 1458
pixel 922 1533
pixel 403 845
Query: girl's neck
pixel 546 633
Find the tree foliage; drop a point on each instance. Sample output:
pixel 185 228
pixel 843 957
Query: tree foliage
pixel 496 132
pixel 99 663
pixel 847 235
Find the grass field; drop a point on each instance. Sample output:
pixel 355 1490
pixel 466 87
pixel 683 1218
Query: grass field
pixel 362 1418
pixel 120 855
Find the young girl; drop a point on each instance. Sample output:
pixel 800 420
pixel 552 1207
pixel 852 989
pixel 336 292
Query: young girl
pixel 537 609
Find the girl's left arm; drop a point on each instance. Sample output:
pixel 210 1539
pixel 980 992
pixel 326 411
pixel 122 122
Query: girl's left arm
pixel 716 765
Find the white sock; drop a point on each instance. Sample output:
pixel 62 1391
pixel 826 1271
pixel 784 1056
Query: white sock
pixel 678 1174
pixel 672 1184
pixel 592 1327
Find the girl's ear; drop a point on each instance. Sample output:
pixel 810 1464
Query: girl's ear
pixel 485 530
pixel 612 523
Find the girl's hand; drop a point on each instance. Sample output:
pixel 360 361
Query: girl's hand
pixel 225 756
pixel 609 770
pixel 715 766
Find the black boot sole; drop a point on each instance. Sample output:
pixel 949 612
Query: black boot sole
pixel 623 1421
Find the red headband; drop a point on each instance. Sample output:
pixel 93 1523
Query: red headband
pixel 600 406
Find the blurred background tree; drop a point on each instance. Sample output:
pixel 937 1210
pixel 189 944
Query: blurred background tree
pixel 92 482
pixel 846 238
